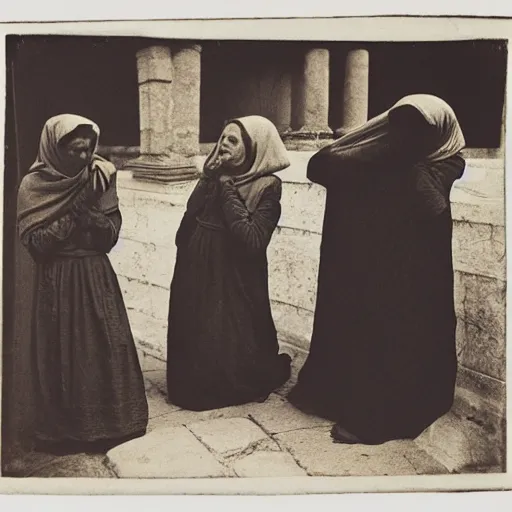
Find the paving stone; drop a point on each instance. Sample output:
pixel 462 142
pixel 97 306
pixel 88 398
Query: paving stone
pixel 79 465
pixel 462 445
pixel 227 436
pixel 149 363
pixel 158 379
pixel 158 405
pixel 185 417
pixel 262 464
pixel 315 451
pixel 165 453
pixel 281 416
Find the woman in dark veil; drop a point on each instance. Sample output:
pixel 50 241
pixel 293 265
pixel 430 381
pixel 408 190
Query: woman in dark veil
pixel 382 362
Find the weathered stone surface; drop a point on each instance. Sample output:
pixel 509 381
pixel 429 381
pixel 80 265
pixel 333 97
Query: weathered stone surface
pixel 493 391
pixel 146 298
pixel 461 445
pixel 302 206
pixel 315 451
pixel 165 453
pixel 158 379
pixel 149 363
pixel 293 267
pixel 185 417
pixel 481 325
pixel 283 417
pixel 143 262
pixel 228 435
pixel 155 117
pixel 186 62
pixel 479 249
pixel 295 325
pixel 316 91
pixel 479 197
pixel 264 464
pixel 158 406
pixel 149 333
pixel 79 465
pixel 154 63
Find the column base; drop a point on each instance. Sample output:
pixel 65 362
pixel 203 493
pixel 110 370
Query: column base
pixel 307 133
pixel 163 168
pixel 307 139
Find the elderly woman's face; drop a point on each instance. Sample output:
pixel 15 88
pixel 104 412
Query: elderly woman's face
pixel 232 147
pixel 78 153
pixel 410 132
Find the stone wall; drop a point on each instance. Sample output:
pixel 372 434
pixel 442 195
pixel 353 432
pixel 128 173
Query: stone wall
pixel 144 259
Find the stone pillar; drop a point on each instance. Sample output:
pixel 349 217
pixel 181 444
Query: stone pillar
pixel 169 114
pixel 186 94
pixel 154 67
pixel 355 91
pixel 283 103
pixel 312 97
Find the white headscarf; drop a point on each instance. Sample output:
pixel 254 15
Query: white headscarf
pixel 267 153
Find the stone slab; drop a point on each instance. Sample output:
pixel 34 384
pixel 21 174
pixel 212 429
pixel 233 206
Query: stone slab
pixel 158 379
pixel 165 453
pixel 283 417
pixel 314 450
pixel 227 436
pixel 185 417
pixel 158 405
pixel 149 363
pixel 479 249
pixel 264 464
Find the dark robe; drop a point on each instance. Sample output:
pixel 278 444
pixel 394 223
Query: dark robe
pixel 222 342
pixel 89 381
pixel 382 361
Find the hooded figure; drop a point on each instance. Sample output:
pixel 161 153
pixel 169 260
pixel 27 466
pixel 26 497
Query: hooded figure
pixel 222 342
pixel 382 361
pixel 90 391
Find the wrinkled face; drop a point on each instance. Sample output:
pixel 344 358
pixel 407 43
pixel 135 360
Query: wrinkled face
pixel 232 147
pixel 410 133
pixel 77 153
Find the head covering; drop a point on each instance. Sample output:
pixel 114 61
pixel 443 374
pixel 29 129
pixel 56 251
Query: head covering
pixel 267 154
pixel 371 140
pixel 46 192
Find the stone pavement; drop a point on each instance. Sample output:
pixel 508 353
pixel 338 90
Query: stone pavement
pixel 270 439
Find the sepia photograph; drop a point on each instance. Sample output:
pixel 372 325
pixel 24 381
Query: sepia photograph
pixel 232 257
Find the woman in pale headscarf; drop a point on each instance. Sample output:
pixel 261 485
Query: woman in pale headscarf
pixel 382 363
pixel 90 391
pixel 222 343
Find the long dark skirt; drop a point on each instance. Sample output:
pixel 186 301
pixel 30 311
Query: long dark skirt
pixel 383 359
pixel 222 342
pixel 89 381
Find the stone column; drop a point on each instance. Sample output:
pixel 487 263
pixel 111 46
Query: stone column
pixel 314 97
pixel 186 94
pixel 169 114
pixel 283 102
pixel 355 91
